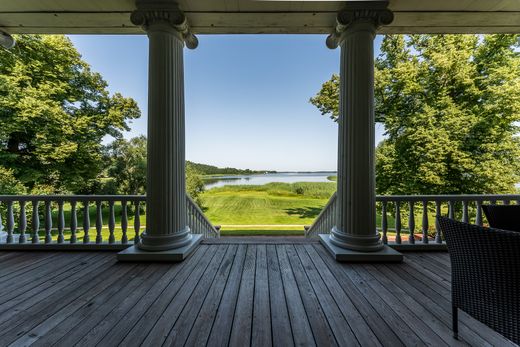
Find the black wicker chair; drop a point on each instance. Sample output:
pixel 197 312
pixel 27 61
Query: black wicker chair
pixel 506 217
pixel 485 271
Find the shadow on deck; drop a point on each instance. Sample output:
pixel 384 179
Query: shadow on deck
pixel 230 292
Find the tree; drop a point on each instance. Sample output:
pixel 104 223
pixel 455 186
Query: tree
pixel 54 114
pixel 126 166
pixel 125 171
pixel 450 105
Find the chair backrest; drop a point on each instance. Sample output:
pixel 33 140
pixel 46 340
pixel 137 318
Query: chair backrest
pixel 485 267
pixel 505 217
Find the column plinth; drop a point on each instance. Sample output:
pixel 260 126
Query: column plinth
pixel 355 230
pixel 166 212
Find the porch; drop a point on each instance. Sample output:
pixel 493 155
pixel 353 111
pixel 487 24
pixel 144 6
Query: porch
pixel 239 292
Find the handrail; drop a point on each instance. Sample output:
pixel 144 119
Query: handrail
pixel 71 215
pixel 466 207
pixel 198 222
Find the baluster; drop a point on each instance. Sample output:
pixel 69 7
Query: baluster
pixel 384 222
pixel 438 237
pixel 425 222
pixel 111 222
pixel 48 221
pixel 507 202
pixel 411 223
pixel 451 209
pixel 1 225
pixel 10 222
pixel 22 224
pixel 465 214
pixel 137 222
pixel 61 222
pixel 86 222
pixel 493 202
pixel 397 222
pixel 99 222
pixel 35 222
pixel 73 221
pixel 478 220
pixel 124 222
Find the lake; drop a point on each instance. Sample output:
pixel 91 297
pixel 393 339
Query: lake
pixel 260 179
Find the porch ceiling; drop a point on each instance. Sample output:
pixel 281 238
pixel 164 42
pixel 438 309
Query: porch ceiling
pixel 255 17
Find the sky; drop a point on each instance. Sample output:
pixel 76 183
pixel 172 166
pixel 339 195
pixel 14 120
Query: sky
pixel 246 96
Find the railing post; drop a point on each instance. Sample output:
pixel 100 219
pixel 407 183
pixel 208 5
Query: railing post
pixel 35 222
pixel 425 222
pixel 438 237
pixel 137 223
pixel 73 222
pixel 48 221
pixel 99 222
pixel 451 209
pixel 111 222
pixel 411 223
pixel 86 222
pixel 124 222
pixel 61 221
pixel 22 223
pixel 397 222
pixel 478 220
pixel 10 222
pixel 465 214
pixel 384 222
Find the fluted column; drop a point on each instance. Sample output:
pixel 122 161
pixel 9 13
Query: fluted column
pixel 166 214
pixel 355 227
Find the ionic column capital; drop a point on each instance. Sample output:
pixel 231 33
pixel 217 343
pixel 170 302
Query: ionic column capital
pixel 152 14
pixel 365 15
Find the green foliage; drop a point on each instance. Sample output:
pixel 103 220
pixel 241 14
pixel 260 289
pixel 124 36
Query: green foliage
pixel 317 190
pixel 54 113
pixel 451 106
pixel 9 185
pixel 194 185
pixel 126 170
pixel 205 169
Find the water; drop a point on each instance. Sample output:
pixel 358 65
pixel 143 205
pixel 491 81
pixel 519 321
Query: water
pixel 260 179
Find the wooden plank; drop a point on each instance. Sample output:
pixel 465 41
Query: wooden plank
pixel 62 321
pixel 15 267
pixel 201 328
pixel 394 292
pixel 280 321
pixel 301 327
pixel 261 334
pixel 40 288
pixel 34 276
pixel 182 324
pixel 355 319
pixel 434 309
pixel 373 317
pixel 242 321
pixel 337 322
pixel 117 325
pixel 37 299
pixel 321 330
pixel 444 302
pixel 188 278
pixel 400 329
pixel 89 316
pixel 223 323
pixel 69 300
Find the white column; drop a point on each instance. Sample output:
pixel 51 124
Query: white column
pixel 166 214
pixel 356 213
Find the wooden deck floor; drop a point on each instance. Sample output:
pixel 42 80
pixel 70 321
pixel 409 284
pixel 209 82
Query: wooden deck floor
pixel 230 294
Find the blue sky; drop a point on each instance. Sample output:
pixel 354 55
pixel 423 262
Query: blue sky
pixel 246 96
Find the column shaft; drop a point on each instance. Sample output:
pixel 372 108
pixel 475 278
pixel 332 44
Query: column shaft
pixel 356 217
pixel 166 215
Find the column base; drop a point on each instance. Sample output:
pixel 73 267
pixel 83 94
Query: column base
pixel 172 255
pixel 385 255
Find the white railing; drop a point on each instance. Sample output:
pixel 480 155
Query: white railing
pixel 419 225
pixel 89 220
